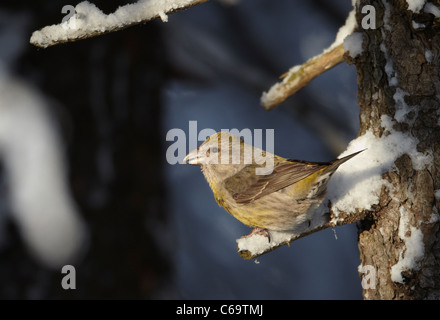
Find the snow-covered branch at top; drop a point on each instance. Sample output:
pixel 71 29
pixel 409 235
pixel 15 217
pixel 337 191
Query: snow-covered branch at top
pixel 89 21
pixel 299 76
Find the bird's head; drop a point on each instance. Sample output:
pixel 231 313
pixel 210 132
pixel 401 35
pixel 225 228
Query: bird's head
pixel 220 148
pixel 223 154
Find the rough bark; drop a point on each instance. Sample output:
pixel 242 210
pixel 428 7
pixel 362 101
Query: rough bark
pixel 414 53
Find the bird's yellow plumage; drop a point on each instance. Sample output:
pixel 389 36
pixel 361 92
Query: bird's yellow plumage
pixel 278 200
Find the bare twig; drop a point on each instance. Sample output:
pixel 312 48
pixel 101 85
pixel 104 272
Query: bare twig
pixel 299 76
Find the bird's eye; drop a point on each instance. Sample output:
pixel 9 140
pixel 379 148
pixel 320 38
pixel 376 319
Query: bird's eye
pixel 214 150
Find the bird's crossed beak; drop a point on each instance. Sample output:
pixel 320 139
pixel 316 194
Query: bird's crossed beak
pixel 192 157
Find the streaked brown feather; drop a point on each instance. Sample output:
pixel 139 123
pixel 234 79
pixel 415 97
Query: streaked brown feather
pixel 285 173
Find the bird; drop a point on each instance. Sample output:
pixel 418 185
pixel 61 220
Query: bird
pixel 280 199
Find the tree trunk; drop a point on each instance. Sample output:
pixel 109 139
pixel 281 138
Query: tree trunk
pixel 398 77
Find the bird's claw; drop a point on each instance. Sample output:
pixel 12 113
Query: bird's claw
pixel 260 231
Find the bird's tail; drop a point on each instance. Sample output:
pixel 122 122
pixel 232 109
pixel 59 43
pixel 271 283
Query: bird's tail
pixel 336 163
pixel 320 185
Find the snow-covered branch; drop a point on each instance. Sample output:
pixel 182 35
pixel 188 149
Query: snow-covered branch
pixel 299 76
pixel 89 21
pixel 253 246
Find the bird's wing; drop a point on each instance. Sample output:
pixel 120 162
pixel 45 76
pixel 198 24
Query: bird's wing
pixel 246 186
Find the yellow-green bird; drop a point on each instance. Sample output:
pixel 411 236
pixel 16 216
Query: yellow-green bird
pixel 279 200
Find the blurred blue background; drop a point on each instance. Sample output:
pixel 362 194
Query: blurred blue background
pixel 233 54
pixel 155 228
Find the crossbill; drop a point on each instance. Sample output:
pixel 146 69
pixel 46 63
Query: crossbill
pixel 278 194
